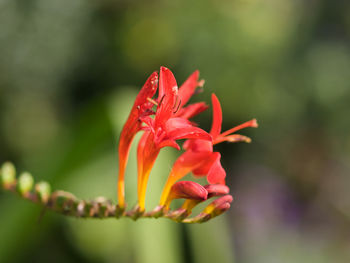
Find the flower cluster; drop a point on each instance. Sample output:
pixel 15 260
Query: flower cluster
pixel 164 119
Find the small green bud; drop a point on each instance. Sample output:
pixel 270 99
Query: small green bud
pixel 25 183
pixel 8 174
pixel 43 190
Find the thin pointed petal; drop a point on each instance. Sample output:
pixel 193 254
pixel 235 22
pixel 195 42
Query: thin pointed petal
pixel 217 116
pixel 169 143
pixel 179 128
pixel 188 88
pixel 167 96
pixel 192 110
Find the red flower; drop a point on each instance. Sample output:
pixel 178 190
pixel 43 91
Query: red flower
pixel 200 159
pixel 141 108
pixel 167 127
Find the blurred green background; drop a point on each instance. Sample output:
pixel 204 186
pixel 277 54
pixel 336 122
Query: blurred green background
pixel 69 71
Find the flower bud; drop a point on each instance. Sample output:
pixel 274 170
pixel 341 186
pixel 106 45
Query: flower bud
pixel 187 190
pixel 43 190
pixel 219 206
pixel 25 183
pixel 216 190
pixel 8 174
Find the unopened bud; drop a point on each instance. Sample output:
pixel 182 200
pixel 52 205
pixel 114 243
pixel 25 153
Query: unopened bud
pixel 219 206
pixel 25 183
pixel 187 190
pixel 216 190
pixel 8 174
pixel 43 190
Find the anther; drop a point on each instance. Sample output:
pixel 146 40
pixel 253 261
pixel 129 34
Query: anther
pixel 152 101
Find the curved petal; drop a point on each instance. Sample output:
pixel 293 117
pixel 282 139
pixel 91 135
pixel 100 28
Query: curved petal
pixel 188 88
pixel 169 143
pixel 212 169
pixel 180 128
pixel 198 146
pixel 167 96
pixel 217 116
pixel 216 173
pixel 192 110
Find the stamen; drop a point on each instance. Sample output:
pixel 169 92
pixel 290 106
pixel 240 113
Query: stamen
pixel 161 100
pixel 178 102
pixel 252 123
pixel 152 101
pixel 201 83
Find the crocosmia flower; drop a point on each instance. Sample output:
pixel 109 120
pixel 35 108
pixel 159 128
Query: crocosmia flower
pixel 163 131
pixel 164 120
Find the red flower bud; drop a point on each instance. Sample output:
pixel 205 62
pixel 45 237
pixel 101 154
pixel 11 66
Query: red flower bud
pixel 187 190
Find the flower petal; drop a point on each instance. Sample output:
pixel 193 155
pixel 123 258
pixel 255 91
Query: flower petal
pixel 169 143
pixel 217 116
pixel 188 88
pixel 192 110
pixel 213 169
pixel 198 146
pixel 167 96
pixel 179 128
pixel 216 173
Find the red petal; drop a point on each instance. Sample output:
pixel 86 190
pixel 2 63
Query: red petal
pixel 179 128
pixel 198 146
pixel 216 173
pixel 170 143
pixel 188 162
pixel 148 121
pixel 167 96
pixel 148 90
pixel 213 169
pixel 217 117
pixel 188 87
pixel 192 110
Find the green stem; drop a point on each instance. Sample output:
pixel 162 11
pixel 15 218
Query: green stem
pixel 67 204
